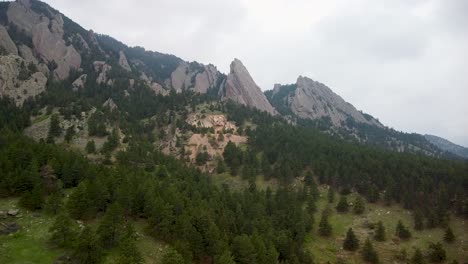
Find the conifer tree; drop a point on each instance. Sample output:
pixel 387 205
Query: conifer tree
pixel 436 253
pixel 449 237
pixel 224 258
pixel 128 253
pixel 358 207
pixel 351 242
pixel 91 147
pixel 87 249
pixel 172 257
pixel 110 228
pixel 368 252
pixel 401 231
pixel 380 232
pixel 64 231
pixel 342 205
pixel 417 257
pixel 325 229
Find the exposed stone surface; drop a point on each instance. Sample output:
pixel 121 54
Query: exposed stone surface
pixel 26 53
pixel 80 82
pixel 193 76
pixel 158 89
pixel 102 67
pixel 110 103
pixel 313 100
pixel 123 62
pixel 241 88
pixel 12 86
pixel 47 37
pixel 6 42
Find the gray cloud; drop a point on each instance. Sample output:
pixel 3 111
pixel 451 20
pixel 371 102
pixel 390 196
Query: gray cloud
pixel 402 61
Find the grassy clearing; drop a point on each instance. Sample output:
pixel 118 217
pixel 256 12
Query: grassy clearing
pixel 329 249
pixel 237 183
pixel 29 245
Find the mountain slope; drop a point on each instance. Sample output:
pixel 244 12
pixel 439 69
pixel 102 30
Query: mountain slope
pixel 308 102
pixel 448 146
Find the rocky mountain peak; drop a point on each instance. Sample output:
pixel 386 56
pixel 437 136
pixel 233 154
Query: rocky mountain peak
pixel 241 88
pixel 309 99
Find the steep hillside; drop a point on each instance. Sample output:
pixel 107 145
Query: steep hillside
pixel 448 146
pixel 311 103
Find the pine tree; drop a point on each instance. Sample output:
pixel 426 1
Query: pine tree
pixel 69 133
pixel 91 147
pixel 110 228
pixel 401 231
pixel 380 232
pixel 243 250
pixel 417 257
pixel 224 258
pixel 54 203
pixel 325 229
pixel 87 249
pixel 33 200
pixel 54 127
pixel 358 207
pixel 331 195
pixel 172 257
pixel 342 205
pixel 64 231
pixel 128 253
pixel 368 252
pixel 437 253
pixel 351 242
pixel 449 237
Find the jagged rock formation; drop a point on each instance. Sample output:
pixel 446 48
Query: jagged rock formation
pixel 123 61
pixel 80 82
pixel 241 88
pixel 448 146
pixel 47 34
pixel 6 42
pixel 194 76
pixel 309 99
pixel 18 81
pixel 102 68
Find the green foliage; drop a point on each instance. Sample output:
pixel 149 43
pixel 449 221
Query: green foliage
pixel 243 250
pixel 449 237
pixel 331 195
pixel 128 251
pixel 54 129
pixel 417 257
pixel 110 229
pixel 87 249
pixel 436 253
pixel 112 142
pixel 358 206
pixel 225 258
pixel 201 158
pixel 69 133
pixel 342 205
pixel 368 252
pixel 351 242
pixel 91 147
pixel 33 199
pixel 324 228
pixel 380 234
pixel 172 257
pixel 64 231
pixel 401 231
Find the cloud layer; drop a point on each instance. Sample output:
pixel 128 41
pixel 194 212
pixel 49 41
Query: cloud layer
pixel 403 61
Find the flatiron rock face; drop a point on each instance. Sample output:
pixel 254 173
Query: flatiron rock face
pixel 241 88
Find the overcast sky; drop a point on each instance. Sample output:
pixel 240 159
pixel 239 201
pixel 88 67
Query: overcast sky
pixel 404 62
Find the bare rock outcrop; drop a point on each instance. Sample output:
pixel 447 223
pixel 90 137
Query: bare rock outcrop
pixel 17 82
pixel 123 62
pixel 110 104
pixel 314 100
pixel 193 76
pixel 102 68
pixel 80 82
pixel 47 36
pixel 6 42
pixel 241 88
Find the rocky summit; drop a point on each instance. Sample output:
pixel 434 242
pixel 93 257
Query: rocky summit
pixel 241 88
